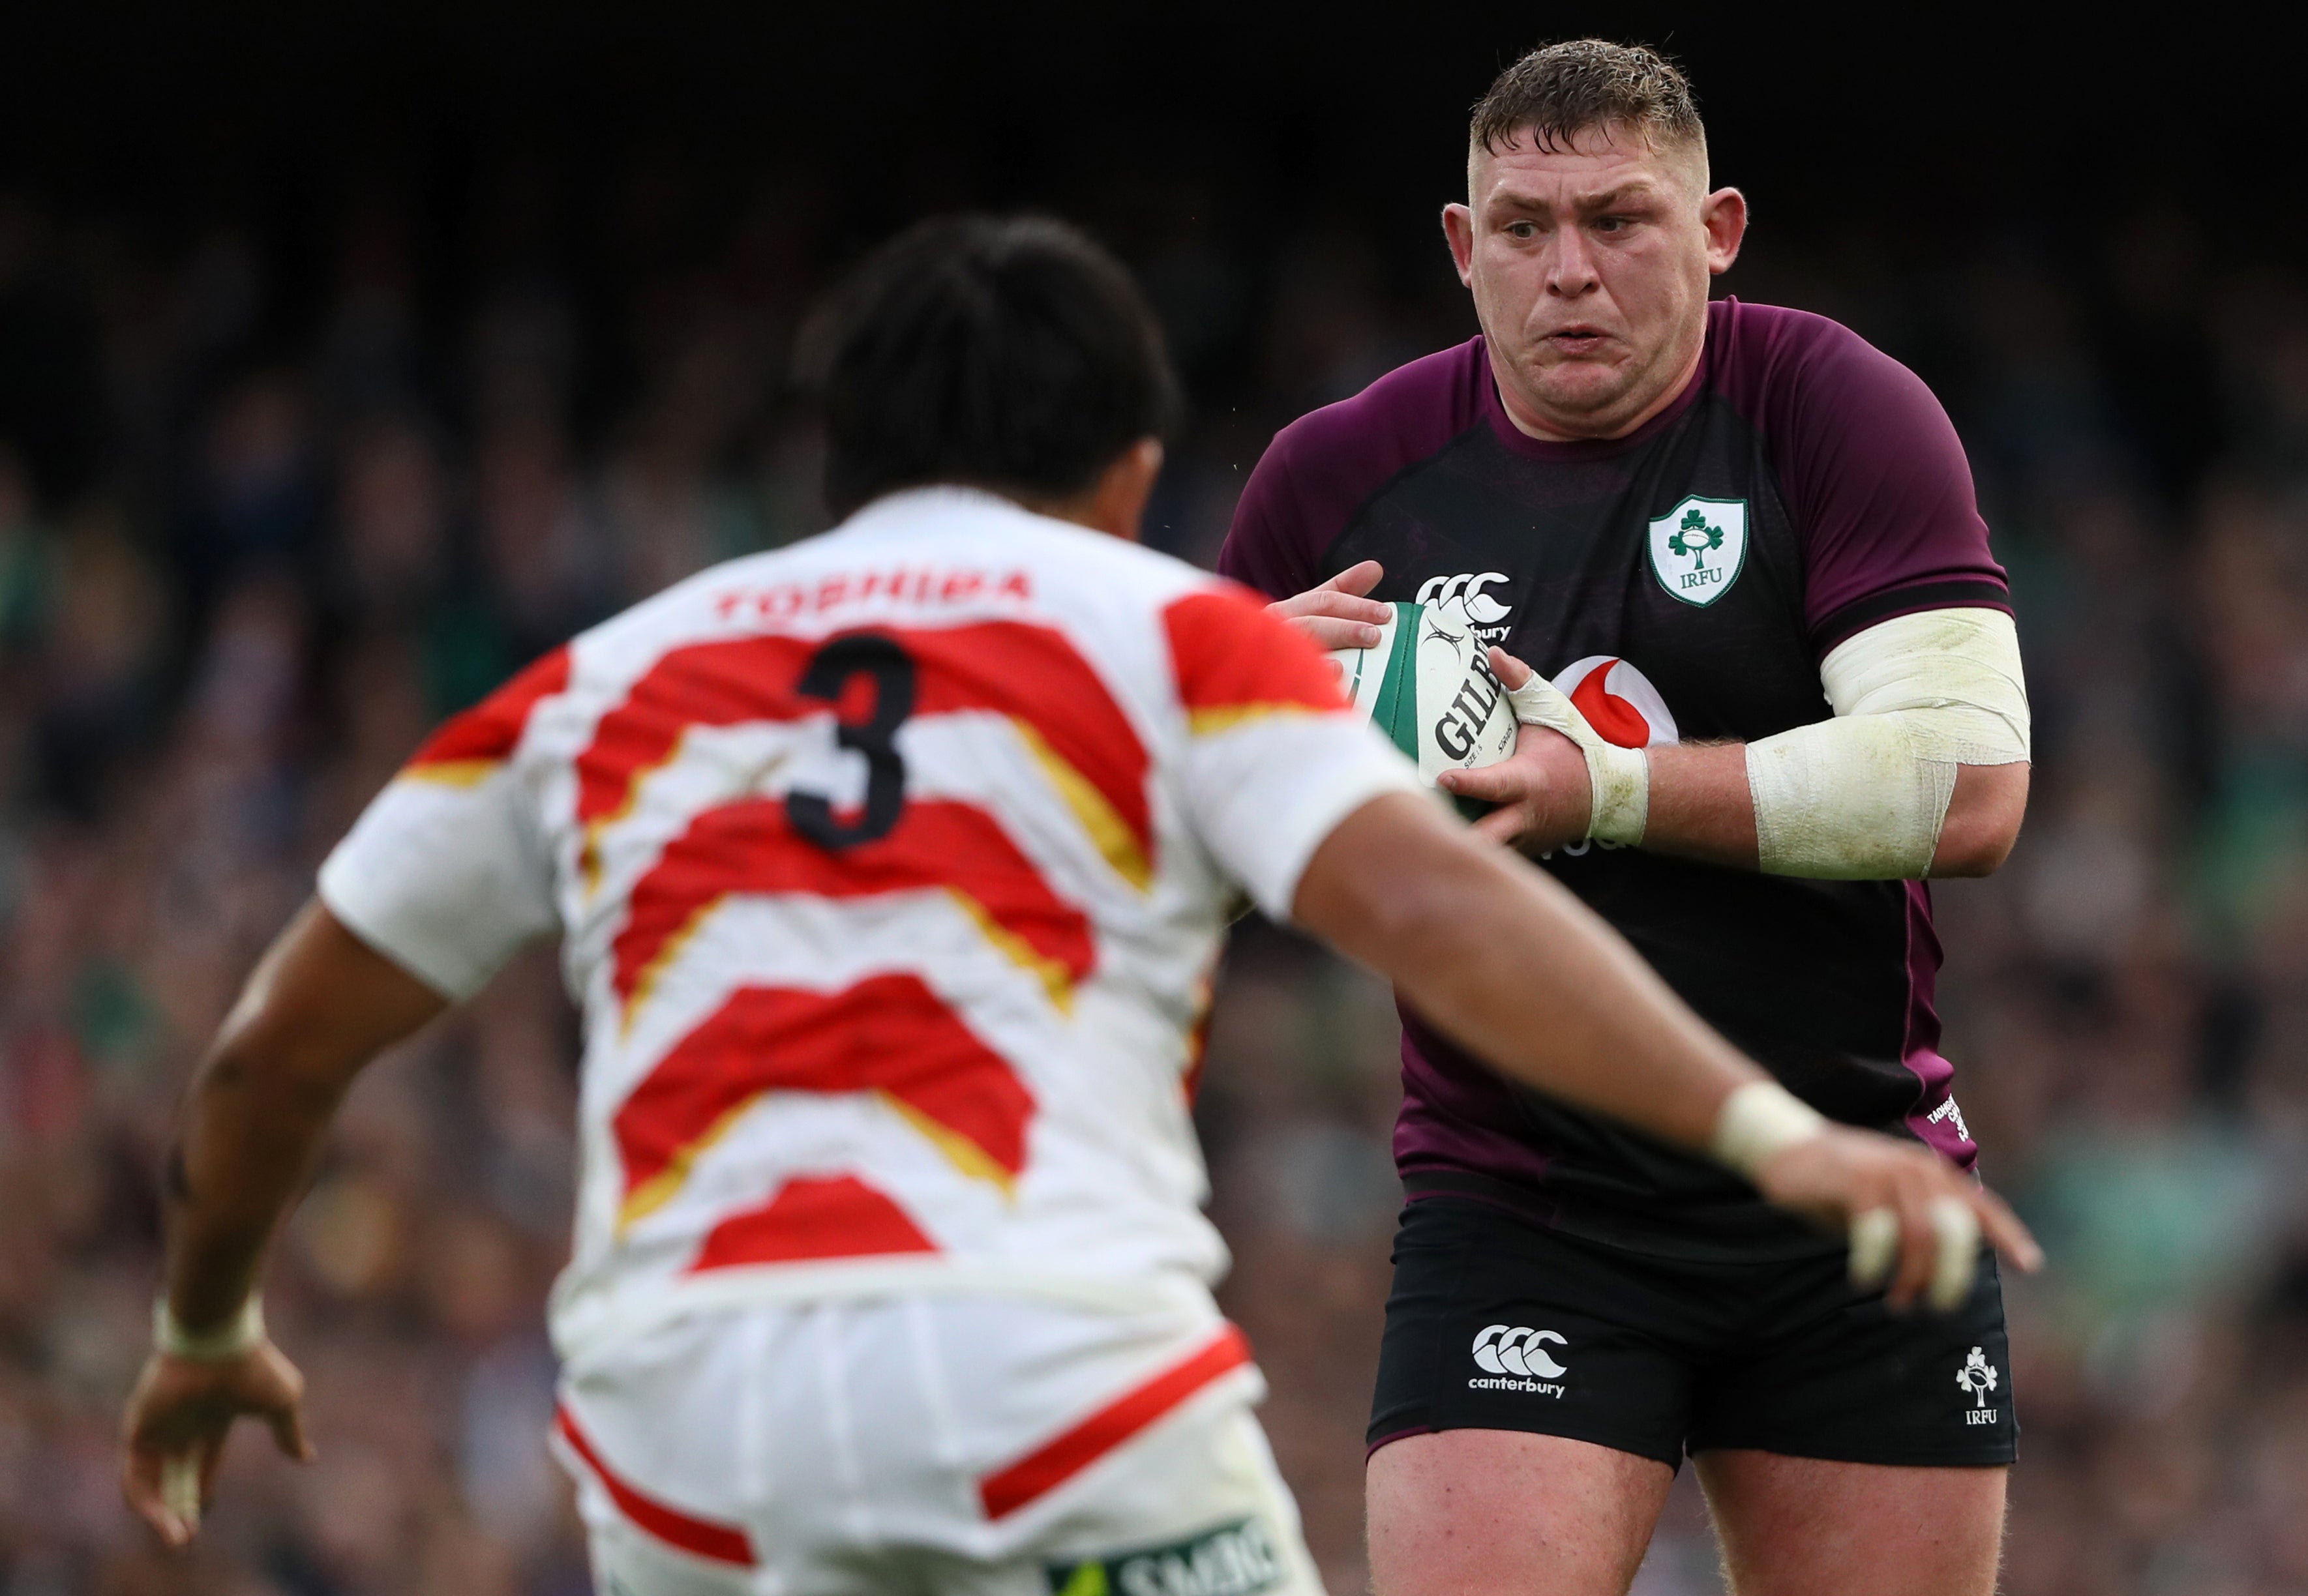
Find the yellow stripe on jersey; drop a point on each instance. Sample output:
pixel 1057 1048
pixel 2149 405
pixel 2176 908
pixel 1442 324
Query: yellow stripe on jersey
pixel 1107 832
pixel 452 773
pixel 1225 717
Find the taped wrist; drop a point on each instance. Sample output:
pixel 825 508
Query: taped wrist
pixel 1758 1123
pixel 1619 779
pixel 222 1344
pixel 1862 796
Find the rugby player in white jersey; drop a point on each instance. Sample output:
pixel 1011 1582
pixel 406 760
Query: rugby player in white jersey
pixel 891 870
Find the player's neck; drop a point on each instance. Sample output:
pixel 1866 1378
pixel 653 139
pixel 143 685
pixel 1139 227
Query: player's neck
pixel 1530 422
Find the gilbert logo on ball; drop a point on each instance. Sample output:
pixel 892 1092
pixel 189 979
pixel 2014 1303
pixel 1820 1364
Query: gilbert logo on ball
pixel 1618 701
pixel 1428 684
pixel 1699 549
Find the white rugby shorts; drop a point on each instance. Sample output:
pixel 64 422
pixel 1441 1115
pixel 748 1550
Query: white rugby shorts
pixel 928 1444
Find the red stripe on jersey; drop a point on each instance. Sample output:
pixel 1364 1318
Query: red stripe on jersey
pixel 838 1218
pixel 707 684
pixel 1033 674
pixel 890 1034
pixel 491 729
pixel 1057 1461
pixel 1030 673
pixel 749 847
pixel 1231 658
pixel 717 1542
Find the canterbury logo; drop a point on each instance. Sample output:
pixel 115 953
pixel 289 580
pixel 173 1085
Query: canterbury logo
pixel 1467 589
pixel 1515 1350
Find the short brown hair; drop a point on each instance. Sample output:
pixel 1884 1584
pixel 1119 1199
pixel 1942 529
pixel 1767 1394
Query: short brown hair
pixel 1561 90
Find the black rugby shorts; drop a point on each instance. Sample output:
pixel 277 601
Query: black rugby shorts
pixel 1497 1322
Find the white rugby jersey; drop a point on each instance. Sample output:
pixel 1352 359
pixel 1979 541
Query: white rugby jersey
pixel 891 868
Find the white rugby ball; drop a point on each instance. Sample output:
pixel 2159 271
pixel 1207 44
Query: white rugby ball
pixel 1428 684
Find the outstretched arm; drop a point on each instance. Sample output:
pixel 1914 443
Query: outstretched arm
pixel 1509 963
pixel 319 1007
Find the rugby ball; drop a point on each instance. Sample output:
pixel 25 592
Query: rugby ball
pixel 1428 684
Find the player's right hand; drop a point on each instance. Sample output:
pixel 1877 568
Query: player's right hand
pixel 1913 1218
pixel 172 1437
pixel 1336 614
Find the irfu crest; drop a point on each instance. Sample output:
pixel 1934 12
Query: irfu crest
pixel 1699 549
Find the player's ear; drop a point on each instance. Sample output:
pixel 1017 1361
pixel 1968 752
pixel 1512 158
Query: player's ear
pixel 1459 229
pixel 1724 215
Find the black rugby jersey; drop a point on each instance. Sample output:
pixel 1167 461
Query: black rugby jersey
pixel 1682 582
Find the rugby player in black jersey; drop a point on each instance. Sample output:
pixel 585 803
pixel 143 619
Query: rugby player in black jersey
pixel 1732 563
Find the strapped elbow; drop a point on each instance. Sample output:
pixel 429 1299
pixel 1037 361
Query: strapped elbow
pixel 1881 791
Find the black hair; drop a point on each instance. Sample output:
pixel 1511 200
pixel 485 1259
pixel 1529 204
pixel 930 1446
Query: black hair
pixel 1009 353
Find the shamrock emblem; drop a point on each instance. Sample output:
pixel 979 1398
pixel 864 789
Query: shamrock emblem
pixel 1695 536
pixel 1976 1377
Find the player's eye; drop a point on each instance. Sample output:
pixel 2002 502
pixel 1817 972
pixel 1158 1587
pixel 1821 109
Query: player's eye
pixel 1610 224
pixel 1523 230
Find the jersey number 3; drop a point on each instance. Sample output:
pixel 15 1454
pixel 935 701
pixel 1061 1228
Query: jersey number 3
pixel 830 673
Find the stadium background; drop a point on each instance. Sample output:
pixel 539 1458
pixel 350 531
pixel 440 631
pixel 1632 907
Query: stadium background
pixel 347 361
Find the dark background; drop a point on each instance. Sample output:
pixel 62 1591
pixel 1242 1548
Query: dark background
pixel 607 144
pixel 351 355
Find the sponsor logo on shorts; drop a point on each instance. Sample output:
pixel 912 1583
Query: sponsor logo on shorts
pixel 1515 1358
pixel 1977 1378
pixel 1234 1561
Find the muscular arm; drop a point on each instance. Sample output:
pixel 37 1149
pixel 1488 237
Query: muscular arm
pixel 1509 963
pixel 1517 970
pixel 1701 807
pixel 319 1007
pixel 1921 771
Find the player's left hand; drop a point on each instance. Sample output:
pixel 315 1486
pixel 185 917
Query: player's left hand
pixel 173 1434
pixel 1543 790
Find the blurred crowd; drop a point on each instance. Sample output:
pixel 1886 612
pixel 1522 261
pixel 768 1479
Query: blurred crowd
pixel 273 501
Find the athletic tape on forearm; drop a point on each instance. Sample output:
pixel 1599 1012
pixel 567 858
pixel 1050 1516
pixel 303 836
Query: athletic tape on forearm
pixel 1862 796
pixel 1619 779
pixel 1758 1123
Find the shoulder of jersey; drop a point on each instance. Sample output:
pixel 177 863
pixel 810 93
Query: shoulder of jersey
pixel 1773 341
pixel 1401 418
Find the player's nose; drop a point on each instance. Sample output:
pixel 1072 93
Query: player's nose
pixel 1571 268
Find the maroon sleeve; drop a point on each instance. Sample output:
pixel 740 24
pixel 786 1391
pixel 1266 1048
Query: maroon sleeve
pixel 1271 546
pixel 1874 474
pixel 1324 467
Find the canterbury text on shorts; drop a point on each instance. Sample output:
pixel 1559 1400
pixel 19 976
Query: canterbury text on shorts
pixel 1496 1322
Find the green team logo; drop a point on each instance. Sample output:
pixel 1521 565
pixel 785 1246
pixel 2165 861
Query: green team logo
pixel 1698 547
pixel 1234 1561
